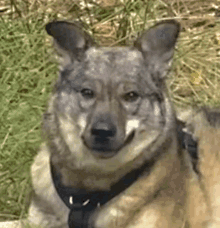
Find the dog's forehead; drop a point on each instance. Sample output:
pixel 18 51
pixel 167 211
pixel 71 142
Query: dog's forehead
pixel 111 63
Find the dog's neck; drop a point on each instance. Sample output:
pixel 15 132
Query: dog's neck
pixel 115 189
pixel 83 202
pixel 95 181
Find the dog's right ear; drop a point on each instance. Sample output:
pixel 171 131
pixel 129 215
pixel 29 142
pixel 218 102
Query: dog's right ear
pixel 70 41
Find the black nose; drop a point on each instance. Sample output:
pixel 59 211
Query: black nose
pixel 103 129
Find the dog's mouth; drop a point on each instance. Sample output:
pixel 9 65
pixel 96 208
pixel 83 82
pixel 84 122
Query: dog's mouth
pixel 106 147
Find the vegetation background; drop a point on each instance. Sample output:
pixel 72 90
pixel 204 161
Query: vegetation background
pixel 28 68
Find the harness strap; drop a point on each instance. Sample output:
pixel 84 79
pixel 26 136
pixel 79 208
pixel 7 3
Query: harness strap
pixel 83 203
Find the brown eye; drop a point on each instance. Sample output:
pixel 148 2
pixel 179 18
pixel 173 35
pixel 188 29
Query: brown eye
pixel 87 93
pixel 131 96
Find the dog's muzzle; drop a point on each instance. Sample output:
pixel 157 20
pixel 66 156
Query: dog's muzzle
pixel 105 140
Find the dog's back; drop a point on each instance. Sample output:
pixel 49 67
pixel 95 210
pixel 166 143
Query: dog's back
pixel 204 125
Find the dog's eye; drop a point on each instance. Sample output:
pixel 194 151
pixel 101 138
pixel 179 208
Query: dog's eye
pixel 87 93
pixel 131 96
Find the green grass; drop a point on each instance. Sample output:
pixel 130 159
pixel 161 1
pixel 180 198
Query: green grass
pixel 26 74
pixel 28 67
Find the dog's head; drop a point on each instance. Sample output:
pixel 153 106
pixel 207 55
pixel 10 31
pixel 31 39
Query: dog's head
pixel 111 103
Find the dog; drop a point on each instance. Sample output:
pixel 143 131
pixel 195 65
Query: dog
pixel 112 157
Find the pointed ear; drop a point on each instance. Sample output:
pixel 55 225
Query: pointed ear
pixel 70 41
pixel 157 46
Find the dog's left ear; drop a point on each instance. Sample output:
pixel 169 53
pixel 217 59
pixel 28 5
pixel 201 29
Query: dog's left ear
pixel 157 45
pixel 70 40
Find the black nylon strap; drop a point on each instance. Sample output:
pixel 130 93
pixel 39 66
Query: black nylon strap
pixel 83 203
pixel 79 216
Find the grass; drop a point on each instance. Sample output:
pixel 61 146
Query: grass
pixel 28 67
pixel 26 74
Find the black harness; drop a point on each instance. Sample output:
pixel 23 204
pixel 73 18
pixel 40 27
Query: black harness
pixel 82 203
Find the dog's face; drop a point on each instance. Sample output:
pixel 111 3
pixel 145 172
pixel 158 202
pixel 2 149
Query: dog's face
pixel 109 98
pixel 110 103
